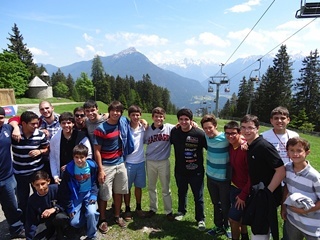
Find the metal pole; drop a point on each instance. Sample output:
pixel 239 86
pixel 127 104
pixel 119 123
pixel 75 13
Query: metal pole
pixel 217 99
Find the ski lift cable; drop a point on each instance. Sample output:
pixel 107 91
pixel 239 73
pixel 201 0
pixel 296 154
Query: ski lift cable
pixel 249 32
pixel 274 48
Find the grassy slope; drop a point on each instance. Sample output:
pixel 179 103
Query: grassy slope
pixel 158 227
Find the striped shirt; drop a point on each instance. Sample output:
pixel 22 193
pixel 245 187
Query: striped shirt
pixel 108 137
pixel 52 128
pixel 218 165
pixel 306 182
pixel 23 164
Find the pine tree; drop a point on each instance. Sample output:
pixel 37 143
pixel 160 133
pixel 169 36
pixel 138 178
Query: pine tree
pixel 276 86
pixel 70 85
pixel 307 88
pixel 245 89
pixel 56 78
pixel 18 47
pixel 100 81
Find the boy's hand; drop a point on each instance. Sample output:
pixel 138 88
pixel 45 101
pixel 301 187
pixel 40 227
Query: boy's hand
pixel 283 212
pixel 35 153
pixel 71 215
pixel 57 180
pixel 47 213
pixel 240 204
pixel 101 177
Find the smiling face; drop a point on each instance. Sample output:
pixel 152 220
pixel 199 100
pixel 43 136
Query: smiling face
pixel 67 126
pixel 185 123
pixel 41 186
pixel 114 116
pixel 210 129
pixel 233 136
pixel 79 117
pixel 135 118
pixel 46 109
pixel 30 127
pixel 91 113
pixel 249 131
pixel 80 160
pixel 158 119
pixel 279 123
pixel 297 153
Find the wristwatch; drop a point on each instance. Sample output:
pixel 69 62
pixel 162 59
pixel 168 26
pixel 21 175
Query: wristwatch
pixel 57 209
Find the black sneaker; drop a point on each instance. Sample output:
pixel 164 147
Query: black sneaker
pixel 150 214
pixel 170 217
pixel 21 234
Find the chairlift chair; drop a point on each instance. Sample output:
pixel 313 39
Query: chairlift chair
pixel 227 89
pixel 210 89
pixel 308 9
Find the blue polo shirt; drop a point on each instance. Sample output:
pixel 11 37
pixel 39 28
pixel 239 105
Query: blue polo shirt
pixel 6 169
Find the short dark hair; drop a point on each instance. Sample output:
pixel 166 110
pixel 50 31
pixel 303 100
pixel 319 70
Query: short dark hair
pixel 90 104
pixel 280 110
pixel 295 140
pixel 78 109
pixel 80 149
pixel 28 116
pixel 251 118
pixel 232 125
pixel 115 105
pixel 158 110
pixel 66 116
pixel 209 118
pixel 185 112
pixel 133 109
pixel 40 175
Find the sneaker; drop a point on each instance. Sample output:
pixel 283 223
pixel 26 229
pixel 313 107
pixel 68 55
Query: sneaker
pixel 127 216
pixel 201 225
pixel 21 234
pixel 228 232
pixel 170 217
pixel 216 231
pixel 179 216
pixel 150 214
pixel 120 222
pixel 140 213
pixel 103 226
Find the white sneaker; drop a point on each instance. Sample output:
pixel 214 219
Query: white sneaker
pixel 179 216
pixel 201 225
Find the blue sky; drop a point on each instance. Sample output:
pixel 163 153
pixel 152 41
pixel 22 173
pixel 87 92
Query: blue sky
pixel 62 32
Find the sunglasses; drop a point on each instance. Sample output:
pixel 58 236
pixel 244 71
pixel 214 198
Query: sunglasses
pixel 79 115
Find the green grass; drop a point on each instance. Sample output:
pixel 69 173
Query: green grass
pixel 158 227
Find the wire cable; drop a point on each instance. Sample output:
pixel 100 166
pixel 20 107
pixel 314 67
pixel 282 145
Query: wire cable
pixel 274 48
pixel 249 32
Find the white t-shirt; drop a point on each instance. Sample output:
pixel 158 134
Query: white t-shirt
pixel 137 156
pixel 279 141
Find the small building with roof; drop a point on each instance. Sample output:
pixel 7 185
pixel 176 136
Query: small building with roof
pixel 39 89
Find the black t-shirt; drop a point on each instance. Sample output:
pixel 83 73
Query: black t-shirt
pixel 263 158
pixel 188 150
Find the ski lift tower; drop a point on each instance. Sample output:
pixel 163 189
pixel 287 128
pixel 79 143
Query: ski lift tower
pixel 217 80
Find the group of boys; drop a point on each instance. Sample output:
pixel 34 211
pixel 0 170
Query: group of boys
pixel 244 170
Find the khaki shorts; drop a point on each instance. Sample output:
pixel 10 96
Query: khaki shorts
pixel 116 181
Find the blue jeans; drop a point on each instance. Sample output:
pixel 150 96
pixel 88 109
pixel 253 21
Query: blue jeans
pixel 23 192
pixel 85 213
pixel 196 184
pixel 9 205
pixel 220 197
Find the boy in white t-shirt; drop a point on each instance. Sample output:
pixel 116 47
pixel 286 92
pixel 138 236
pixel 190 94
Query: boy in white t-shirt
pixel 135 163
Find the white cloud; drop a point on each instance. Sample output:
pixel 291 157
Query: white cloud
pixel 191 42
pixel 101 53
pixel 207 38
pixel 81 52
pixel 38 52
pixel 90 48
pixel 243 7
pixel 87 38
pixel 190 52
pixel 136 39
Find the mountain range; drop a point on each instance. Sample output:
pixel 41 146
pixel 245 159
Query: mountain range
pixel 186 80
